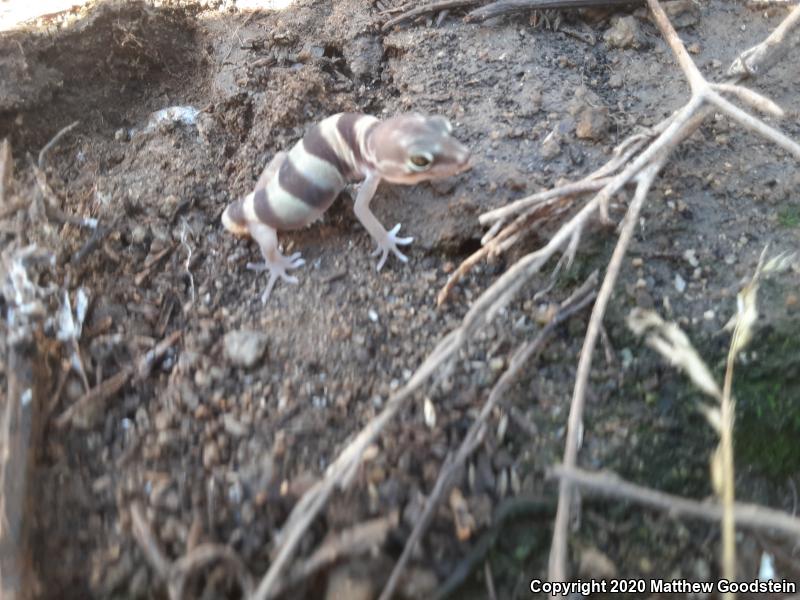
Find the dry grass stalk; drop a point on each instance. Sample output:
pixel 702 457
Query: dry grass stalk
pixel 669 341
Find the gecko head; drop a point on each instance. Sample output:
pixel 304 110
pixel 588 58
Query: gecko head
pixel 410 148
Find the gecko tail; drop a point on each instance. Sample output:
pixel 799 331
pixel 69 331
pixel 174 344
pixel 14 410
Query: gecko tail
pixel 233 218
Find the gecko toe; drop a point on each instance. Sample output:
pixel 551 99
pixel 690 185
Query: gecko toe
pixel 257 266
pixel 400 255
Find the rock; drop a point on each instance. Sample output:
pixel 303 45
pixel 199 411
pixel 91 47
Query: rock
pixel 623 33
pixel 593 123
pixel 462 518
pixel 596 565
pixel 551 146
pixel 364 55
pixel 244 347
pixel 418 582
pixel 680 283
pixel 682 13
pixel 210 454
pixel 139 234
pixel 343 584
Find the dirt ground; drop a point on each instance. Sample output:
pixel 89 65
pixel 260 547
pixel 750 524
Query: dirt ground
pixel 246 410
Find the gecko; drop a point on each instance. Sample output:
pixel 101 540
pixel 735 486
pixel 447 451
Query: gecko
pixel 298 186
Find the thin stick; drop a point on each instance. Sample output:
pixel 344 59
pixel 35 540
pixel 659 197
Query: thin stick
pixel 505 7
pixel 753 124
pixel 6 171
pixel 147 541
pixel 200 558
pixel 489 578
pixel 611 485
pixel 684 121
pixel 49 146
pixel 558 549
pixel 764 56
pixel 427 8
pixel 582 186
pixel 81 413
pixel 356 540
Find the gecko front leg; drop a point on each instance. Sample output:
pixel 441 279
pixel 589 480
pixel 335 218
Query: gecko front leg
pixel 276 263
pixel 387 240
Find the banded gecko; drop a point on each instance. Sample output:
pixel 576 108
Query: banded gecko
pixel 297 187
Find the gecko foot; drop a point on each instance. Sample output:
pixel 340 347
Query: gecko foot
pixel 277 270
pixel 390 245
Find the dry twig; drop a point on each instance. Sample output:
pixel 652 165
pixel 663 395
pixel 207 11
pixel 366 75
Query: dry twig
pixel 177 573
pixel 147 541
pixel 558 550
pixel 351 542
pixel 83 412
pixel 506 7
pixel 202 557
pixel 6 171
pixel 611 485
pixel 56 138
pixel 425 9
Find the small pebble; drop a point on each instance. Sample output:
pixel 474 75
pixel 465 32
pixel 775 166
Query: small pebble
pixel 680 283
pixel 210 455
pixel 245 347
pixel 691 257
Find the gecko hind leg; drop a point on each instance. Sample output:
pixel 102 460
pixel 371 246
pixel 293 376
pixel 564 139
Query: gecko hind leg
pixel 276 263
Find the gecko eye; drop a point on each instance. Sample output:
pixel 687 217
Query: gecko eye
pixel 420 162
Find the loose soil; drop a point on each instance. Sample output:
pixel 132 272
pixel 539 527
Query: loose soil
pixel 219 451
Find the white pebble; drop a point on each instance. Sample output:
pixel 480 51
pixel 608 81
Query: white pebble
pixel 680 283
